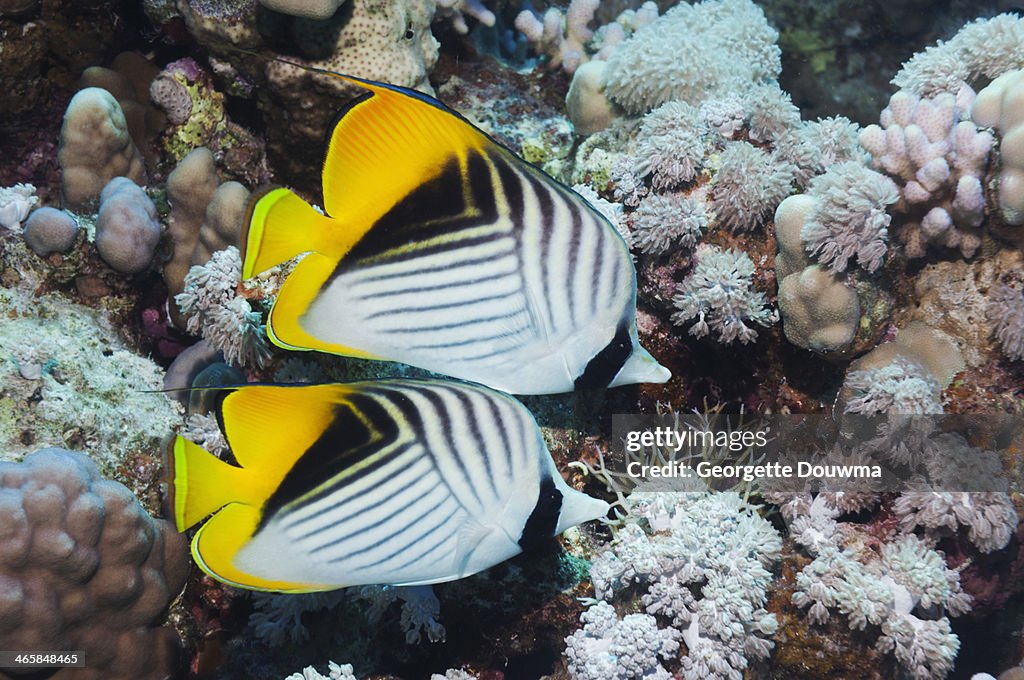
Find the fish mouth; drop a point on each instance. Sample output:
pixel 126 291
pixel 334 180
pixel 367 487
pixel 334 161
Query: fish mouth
pixel 641 367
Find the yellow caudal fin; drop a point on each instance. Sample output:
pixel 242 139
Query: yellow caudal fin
pixel 200 483
pixel 386 144
pixel 217 543
pixel 281 225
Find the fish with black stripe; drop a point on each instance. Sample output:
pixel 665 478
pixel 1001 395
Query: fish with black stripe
pixel 441 249
pixel 400 482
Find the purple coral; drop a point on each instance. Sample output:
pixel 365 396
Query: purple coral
pixel 939 156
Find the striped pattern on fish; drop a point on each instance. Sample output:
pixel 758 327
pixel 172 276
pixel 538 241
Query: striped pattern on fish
pixel 488 278
pixel 403 482
pixel 441 249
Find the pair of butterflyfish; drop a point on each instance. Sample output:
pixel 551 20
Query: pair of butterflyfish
pixel 400 482
pixel 441 249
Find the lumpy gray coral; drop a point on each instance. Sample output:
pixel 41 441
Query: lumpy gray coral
pixel 84 567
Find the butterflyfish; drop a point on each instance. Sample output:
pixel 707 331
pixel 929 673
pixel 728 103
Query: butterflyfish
pixel 441 249
pixel 401 482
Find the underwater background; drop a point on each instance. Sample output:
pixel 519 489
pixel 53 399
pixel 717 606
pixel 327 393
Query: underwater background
pixel 825 207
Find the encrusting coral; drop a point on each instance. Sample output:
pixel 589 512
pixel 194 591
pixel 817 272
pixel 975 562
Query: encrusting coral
pixel 83 567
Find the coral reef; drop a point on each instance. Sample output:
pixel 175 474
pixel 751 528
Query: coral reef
pixel 85 568
pixel 892 253
pixel 95 147
pixel 719 294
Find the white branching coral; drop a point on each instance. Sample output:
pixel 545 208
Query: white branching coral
pixel 704 566
pixel 902 386
pixel 610 648
pixel 884 592
pixel 849 218
pixel 663 222
pixel 214 310
pixel 719 293
pixel 748 186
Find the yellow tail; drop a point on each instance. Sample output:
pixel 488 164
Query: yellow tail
pixel 200 483
pixel 281 225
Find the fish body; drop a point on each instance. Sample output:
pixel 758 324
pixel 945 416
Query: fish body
pixel 441 249
pixel 400 482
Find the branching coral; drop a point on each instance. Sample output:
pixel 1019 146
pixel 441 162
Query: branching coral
pixel 719 292
pixel 703 566
pixel 849 217
pixel 940 158
pixel 748 186
pixel 214 310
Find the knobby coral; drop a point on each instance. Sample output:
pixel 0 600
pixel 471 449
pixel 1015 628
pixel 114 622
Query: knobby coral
pixel 84 567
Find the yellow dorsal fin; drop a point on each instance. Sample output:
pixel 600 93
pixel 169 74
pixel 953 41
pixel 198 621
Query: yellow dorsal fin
pixel 386 144
pixel 269 427
pixel 281 225
pixel 217 542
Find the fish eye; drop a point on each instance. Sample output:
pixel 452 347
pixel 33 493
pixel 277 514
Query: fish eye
pixel 409 33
